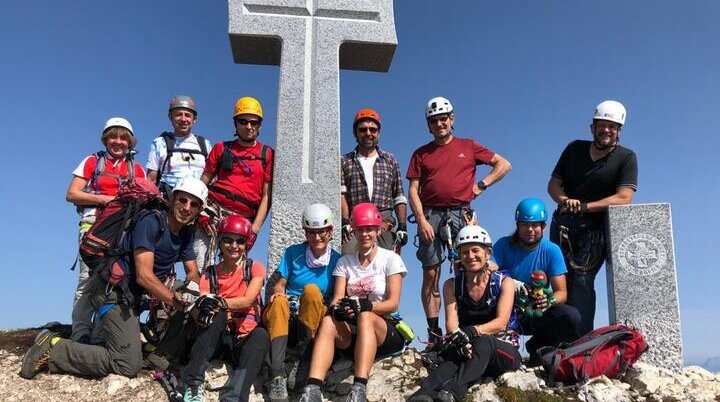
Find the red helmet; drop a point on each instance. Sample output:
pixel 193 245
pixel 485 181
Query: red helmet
pixel 237 225
pixel 366 114
pixel 366 214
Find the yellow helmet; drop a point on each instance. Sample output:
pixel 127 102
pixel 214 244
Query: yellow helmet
pixel 248 105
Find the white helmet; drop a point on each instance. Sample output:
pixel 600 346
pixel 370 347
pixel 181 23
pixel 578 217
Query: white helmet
pixel 192 186
pixel 473 234
pixel 437 105
pixel 317 216
pixel 612 111
pixel 118 122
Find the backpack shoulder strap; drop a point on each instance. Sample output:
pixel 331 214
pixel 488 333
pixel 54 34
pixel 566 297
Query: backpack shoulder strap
pixel 263 156
pixel 169 142
pixel 212 278
pixel 202 145
pixel 100 161
pixel 247 273
pixel 459 286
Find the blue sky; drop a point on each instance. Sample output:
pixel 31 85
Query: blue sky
pixel 524 78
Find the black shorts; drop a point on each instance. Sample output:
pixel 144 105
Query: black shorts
pixel 392 344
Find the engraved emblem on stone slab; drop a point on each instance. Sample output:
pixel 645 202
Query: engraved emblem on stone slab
pixel 642 254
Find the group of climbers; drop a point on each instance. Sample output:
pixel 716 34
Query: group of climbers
pixel 323 301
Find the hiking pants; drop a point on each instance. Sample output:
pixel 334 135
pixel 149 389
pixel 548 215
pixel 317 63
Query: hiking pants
pixel 581 284
pixel 122 353
pixel 281 326
pixel 83 312
pixel 246 356
pixel 559 323
pixel 200 245
pixel 491 357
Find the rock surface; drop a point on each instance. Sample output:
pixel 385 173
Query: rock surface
pixel 393 379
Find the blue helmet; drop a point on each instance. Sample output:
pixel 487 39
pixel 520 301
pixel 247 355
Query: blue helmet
pixel 531 210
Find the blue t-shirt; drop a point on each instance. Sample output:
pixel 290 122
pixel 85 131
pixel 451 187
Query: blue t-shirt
pixel 520 263
pixel 168 249
pixel 294 268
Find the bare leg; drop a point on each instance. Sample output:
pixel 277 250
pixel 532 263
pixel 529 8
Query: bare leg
pixel 430 293
pixel 371 334
pixel 330 335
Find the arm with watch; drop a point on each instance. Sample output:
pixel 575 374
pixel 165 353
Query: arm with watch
pixel 500 167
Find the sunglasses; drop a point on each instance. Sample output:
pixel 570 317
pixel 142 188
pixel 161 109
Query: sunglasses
pixel 243 122
pixel 193 204
pixel 372 130
pixel 322 234
pixel 435 120
pixel 229 240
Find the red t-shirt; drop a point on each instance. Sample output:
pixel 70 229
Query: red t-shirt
pixel 246 178
pixel 106 185
pixel 233 285
pixel 447 172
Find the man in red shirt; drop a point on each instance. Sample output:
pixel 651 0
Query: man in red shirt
pixel 239 174
pixel 442 185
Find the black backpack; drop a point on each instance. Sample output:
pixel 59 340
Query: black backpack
pixel 170 149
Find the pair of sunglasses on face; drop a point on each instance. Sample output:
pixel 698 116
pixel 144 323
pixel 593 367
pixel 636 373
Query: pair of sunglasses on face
pixel 230 240
pixel 193 204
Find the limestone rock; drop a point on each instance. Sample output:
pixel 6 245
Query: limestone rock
pixel 524 380
pixel 603 389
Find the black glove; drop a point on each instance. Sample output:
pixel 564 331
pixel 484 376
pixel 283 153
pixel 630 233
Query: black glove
pixel 208 306
pixel 458 343
pixel 356 304
pixel 470 332
pixel 339 313
pixel 401 236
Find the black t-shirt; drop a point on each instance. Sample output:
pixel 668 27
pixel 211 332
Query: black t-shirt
pixel 587 180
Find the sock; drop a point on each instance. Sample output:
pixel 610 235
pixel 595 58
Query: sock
pixel 360 381
pixel 432 323
pixel 314 382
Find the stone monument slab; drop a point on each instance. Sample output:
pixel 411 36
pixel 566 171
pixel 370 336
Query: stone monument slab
pixel 311 40
pixel 642 279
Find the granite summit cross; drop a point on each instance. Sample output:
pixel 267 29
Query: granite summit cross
pixel 311 40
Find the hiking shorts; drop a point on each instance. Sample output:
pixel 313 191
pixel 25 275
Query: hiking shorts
pixel 432 254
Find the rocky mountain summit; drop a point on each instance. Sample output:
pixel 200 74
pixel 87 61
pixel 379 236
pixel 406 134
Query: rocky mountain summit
pixel 392 379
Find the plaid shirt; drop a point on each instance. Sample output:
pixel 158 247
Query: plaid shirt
pixel 387 180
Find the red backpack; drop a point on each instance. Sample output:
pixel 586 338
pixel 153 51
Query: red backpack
pixel 608 351
pixel 102 246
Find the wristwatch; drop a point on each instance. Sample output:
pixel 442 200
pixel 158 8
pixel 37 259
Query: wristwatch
pixel 482 185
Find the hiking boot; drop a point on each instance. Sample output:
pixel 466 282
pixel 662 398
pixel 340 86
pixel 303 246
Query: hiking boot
pixel 434 340
pixel 278 389
pixel 357 394
pixel 311 394
pixel 155 361
pixel 36 358
pixel 445 396
pixel 194 393
pixel 298 374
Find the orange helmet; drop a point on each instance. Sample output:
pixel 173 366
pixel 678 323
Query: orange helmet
pixel 366 114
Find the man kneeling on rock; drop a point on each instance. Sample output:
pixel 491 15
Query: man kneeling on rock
pixel 154 245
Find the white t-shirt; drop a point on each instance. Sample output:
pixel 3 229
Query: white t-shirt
pixel 370 280
pixel 181 164
pixel 367 164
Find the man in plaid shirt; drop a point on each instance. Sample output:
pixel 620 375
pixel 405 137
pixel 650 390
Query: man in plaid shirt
pixel 372 175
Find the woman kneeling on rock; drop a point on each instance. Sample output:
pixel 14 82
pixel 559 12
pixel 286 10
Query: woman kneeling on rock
pixel 480 321
pixel 367 291
pixel 228 313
